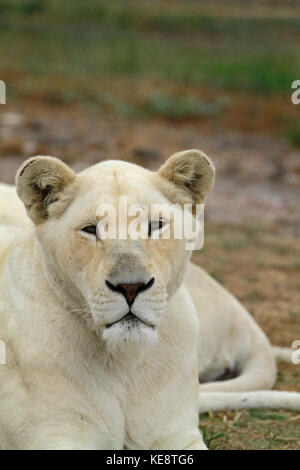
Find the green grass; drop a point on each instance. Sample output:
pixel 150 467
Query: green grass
pixel 140 15
pixel 212 437
pixel 293 134
pixel 101 51
pixel 251 429
pixel 68 49
pixel 266 415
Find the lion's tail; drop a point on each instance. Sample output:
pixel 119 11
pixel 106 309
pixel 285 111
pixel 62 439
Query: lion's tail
pixel 249 389
pixel 269 399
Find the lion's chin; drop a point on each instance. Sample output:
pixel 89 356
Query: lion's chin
pixel 133 332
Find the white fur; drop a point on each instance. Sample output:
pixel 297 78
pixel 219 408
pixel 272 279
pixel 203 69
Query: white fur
pixel 12 211
pixel 72 383
pixel 270 399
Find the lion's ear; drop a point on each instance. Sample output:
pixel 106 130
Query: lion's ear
pixel 41 181
pixel 191 171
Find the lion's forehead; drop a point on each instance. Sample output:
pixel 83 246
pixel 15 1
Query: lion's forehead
pixel 112 183
pixel 115 168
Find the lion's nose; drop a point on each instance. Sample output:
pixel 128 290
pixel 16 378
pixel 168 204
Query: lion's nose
pixel 130 291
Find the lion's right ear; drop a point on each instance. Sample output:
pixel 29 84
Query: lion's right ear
pixel 40 182
pixel 190 171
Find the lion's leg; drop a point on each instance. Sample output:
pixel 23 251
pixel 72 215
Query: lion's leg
pixel 55 440
pixel 197 445
pixel 183 440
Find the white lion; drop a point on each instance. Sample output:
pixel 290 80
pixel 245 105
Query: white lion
pixel 107 340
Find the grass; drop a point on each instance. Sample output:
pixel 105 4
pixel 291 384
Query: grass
pixel 251 429
pixel 183 17
pixel 79 40
pixel 203 61
pixel 266 415
pixel 293 134
pixel 81 51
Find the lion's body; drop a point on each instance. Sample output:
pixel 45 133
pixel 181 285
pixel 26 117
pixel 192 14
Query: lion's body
pixel 60 390
pixel 63 387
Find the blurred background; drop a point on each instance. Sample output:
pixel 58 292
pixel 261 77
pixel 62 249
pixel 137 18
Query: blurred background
pixel 138 80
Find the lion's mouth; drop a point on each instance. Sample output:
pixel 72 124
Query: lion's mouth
pixel 130 320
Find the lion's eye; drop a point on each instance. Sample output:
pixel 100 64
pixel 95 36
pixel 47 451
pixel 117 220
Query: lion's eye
pixel 155 225
pixel 90 229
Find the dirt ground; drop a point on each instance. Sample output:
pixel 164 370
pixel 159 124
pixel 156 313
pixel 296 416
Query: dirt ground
pixel 252 225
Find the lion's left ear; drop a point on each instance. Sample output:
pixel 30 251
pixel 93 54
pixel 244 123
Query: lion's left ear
pixel 191 171
pixel 42 181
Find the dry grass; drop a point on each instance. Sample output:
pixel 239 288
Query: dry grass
pixel 251 429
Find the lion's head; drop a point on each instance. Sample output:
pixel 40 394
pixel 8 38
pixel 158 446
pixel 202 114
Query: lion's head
pixel 120 287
